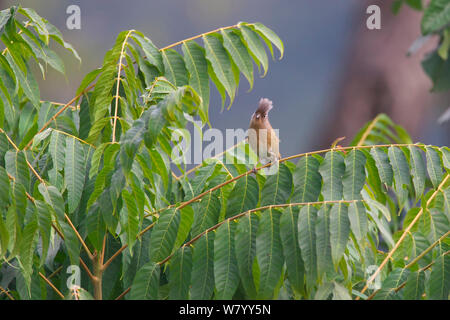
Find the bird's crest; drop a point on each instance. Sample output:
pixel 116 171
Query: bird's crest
pixel 265 105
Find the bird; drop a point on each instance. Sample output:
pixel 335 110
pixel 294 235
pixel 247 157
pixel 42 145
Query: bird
pixel 261 136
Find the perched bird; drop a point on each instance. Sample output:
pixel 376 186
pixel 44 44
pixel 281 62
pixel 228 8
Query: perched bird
pixel 261 136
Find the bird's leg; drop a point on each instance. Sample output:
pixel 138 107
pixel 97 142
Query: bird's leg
pixel 273 160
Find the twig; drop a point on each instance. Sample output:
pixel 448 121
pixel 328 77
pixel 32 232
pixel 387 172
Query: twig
pixel 7 293
pixel 123 294
pixel 51 285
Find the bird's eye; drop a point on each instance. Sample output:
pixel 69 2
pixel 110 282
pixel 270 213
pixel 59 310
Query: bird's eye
pixel 264 115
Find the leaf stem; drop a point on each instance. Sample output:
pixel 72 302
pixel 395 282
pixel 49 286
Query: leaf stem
pixel 118 84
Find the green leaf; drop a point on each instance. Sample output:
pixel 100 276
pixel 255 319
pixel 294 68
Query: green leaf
pixel 243 197
pixel 417 171
pixel 38 22
pixel 269 253
pixel 239 53
pixel 16 166
pixel 4 186
pixel 435 16
pixel 307 180
pixel 220 63
pixel 196 64
pixel 88 80
pixel 74 172
pixel 206 213
pixel 225 265
pixel 5 15
pixel 437 224
pixel 4 238
pixel 186 221
pixel 396 5
pixel 446 157
pixel 56 35
pixel 202 279
pixel 26 250
pixel 438 70
pixel 439 282
pixel 130 216
pixel 53 197
pixel 355 174
pixel 339 231
pixel 291 249
pixel 156 122
pixel 415 286
pixel 254 45
pixel 164 235
pixel 323 244
pixel 41 50
pixel 358 219
pixel 180 274
pixel 383 165
pixel 44 225
pixel 245 245
pixel 202 175
pixel 270 35
pixel 401 173
pixel 332 170
pixel 25 79
pixel 434 166
pixel 277 188
pixel 307 242
pixel 175 68
pixel 391 283
pixel 415 4
pixel 146 283
pixel 340 292
pixel 151 52
pixel 57 152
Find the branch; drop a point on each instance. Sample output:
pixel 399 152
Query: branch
pixel 116 254
pixel 7 293
pixel 52 285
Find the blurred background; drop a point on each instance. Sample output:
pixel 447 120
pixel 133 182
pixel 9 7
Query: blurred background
pixel 335 75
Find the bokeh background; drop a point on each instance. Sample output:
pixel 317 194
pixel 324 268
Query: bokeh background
pixel 335 75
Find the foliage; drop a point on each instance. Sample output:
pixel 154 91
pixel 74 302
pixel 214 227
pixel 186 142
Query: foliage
pixel 90 184
pixel 435 22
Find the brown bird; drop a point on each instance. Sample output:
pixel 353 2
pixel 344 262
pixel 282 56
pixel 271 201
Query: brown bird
pixel 261 136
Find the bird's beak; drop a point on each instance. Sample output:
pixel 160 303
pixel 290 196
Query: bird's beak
pixel 257 116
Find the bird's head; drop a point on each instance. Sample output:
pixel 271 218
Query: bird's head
pixel 262 112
